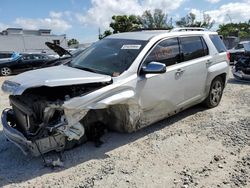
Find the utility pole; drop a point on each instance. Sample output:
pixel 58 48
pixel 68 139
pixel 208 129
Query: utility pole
pixel 229 18
pixel 99 33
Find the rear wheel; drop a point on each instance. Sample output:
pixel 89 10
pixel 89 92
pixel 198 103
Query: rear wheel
pixel 214 97
pixel 5 71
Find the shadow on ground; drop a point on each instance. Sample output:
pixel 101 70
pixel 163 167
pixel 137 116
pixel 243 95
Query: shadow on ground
pixel 16 168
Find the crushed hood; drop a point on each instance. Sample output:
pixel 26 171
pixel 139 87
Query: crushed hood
pixel 51 77
pixel 58 49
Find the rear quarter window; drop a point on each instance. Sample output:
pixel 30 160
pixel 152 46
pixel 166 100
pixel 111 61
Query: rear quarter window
pixel 218 43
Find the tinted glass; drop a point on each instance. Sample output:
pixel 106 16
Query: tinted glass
pixel 218 43
pixel 37 57
pixel 239 46
pixel 27 57
pixel 191 47
pixel 166 52
pixel 5 55
pixel 109 56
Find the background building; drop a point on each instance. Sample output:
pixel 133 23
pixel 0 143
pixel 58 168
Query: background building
pixel 22 40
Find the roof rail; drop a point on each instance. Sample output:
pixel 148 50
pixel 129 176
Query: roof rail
pixel 151 29
pixel 189 29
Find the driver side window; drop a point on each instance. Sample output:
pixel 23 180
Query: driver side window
pixel 167 52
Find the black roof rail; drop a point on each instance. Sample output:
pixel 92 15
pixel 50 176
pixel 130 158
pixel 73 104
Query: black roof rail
pixel 151 29
pixel 189 29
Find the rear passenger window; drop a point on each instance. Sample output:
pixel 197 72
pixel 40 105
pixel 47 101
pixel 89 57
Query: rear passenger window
pixel 5 55
pixel 167 52
pixel 193 47
pixel 218 43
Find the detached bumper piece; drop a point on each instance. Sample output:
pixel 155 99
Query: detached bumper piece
pixel 241 75
pixel 28 147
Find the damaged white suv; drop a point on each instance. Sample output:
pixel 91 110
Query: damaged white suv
pixel 124 82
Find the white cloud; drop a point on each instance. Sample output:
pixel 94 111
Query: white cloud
pixel 55 22
pixel 198 14
pixel 54 14
pixel 3 26
pixel 213 1
pixel 235 12
pixel 102 10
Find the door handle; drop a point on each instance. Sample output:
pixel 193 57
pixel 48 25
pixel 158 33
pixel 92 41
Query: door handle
pixel 209 62
pixel 179 73
pixel 180 70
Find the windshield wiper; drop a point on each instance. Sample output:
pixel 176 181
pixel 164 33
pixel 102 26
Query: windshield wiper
pixel 86 69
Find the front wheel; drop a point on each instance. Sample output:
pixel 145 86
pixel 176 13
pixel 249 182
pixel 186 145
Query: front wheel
pixel 215 93
pixel 5 71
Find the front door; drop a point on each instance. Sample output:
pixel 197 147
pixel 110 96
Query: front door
pixel 160 94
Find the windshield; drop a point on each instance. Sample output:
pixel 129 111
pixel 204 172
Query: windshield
pixel 109 56
pixel 247 47
pixel 76 52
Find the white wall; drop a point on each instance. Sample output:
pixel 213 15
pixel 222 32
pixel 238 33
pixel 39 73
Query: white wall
pixel 27 43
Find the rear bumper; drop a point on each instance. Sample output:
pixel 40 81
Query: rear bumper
pixel 15 136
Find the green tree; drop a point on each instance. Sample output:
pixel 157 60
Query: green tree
pixel 105 34
pixel 190 21
pixel 124 23
pixel 155 20
pixel 72 42
pixel 241 30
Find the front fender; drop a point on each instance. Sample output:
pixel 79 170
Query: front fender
pixel 118 98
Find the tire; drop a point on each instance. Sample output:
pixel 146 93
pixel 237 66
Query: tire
pixel 74 143
pixel 5 71
pixel 215 93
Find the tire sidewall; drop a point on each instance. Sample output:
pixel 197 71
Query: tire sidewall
pixel 209 101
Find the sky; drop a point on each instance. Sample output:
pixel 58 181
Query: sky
pixel 81 19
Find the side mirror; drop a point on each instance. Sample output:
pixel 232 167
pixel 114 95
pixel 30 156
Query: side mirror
pixel 154 68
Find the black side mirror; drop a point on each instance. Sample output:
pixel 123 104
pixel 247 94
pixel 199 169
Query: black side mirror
pixel 154 68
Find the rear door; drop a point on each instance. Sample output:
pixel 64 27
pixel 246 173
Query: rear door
pixel 22 63
pixel 192 70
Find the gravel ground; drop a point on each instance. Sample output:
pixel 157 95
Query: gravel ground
pixel 195 148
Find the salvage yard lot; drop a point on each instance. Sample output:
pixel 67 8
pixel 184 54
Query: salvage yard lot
pixel 196 148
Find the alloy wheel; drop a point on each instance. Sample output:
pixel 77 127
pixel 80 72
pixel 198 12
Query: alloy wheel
pixel 216 93
pixel 5 71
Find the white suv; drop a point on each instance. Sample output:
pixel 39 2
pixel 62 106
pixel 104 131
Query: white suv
pixel 124 82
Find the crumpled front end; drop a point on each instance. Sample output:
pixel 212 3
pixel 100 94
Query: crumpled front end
pixel 38 121
pixel 34 148
pixel 45 118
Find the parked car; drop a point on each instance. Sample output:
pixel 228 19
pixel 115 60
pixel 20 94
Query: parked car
pixel 5 56
pixel 240 49
pixel 241 69
pixel 124 82
pixel 23 62
pixel 63 56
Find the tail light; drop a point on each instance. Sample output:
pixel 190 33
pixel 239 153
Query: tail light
pixel 228 56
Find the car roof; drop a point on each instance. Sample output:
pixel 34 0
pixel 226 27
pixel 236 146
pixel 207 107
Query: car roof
pixel 147 35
